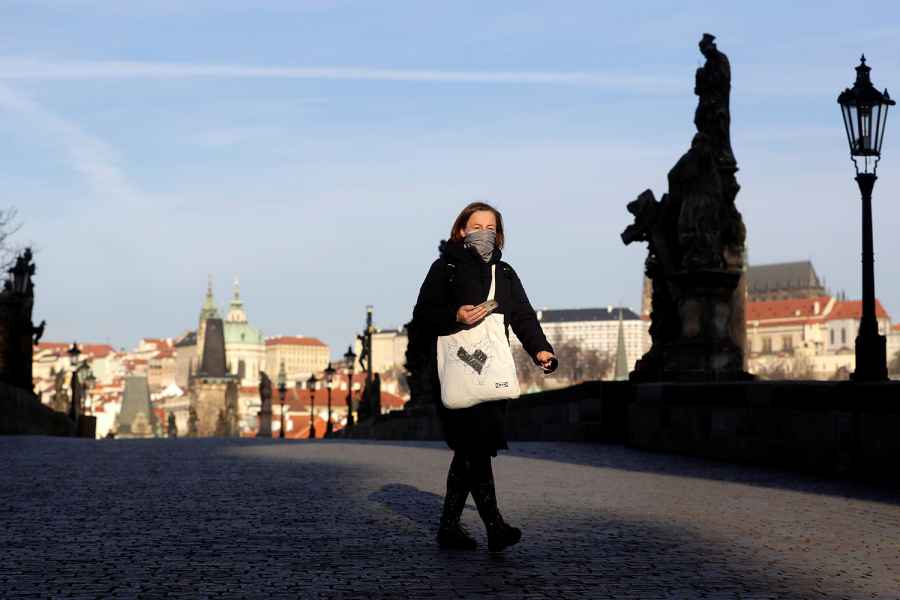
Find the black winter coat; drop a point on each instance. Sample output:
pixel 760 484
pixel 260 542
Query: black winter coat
pixel 459 277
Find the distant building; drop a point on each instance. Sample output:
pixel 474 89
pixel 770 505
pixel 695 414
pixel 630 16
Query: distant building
pixel 388 349
pixel 245 347
pixel 783 281
pixel 161 370
pixel 185 358
pixel 214 391
pixel 597 329
pixel 820 331
pixel 302 356
pixel 136 419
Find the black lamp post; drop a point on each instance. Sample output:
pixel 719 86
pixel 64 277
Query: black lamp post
pixel 350 357
pixel 864 110
pixel 329 383
pixel 74 403
pixel 311 386
pixel 282 392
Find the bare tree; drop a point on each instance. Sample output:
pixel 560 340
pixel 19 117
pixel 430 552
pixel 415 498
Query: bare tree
pixel 9 226
pixel 788 368
pixel 528 373
pixel 576 364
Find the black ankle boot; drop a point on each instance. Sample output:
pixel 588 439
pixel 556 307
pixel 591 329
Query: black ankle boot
pixel 500 534
pixel 451 534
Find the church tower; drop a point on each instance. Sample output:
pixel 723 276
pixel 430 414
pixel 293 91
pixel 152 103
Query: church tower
pixel 208 311
pixel 245 345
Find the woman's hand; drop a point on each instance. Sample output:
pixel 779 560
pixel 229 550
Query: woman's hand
pixel 469 314
pixel 547 361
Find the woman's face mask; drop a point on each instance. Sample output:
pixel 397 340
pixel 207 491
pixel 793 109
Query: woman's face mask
pixel 483 241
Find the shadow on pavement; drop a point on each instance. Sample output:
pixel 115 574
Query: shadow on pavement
pixel 591 554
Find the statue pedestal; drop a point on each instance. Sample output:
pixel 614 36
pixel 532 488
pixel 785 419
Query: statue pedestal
pixel 265 423
pixel 87 426
pixel 705 349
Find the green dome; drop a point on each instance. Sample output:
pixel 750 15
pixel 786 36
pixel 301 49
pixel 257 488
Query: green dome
pixel 242 333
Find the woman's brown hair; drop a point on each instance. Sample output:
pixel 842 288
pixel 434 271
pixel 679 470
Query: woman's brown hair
pixel 463 219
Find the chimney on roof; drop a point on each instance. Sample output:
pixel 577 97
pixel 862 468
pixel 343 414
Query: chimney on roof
pixel 816 307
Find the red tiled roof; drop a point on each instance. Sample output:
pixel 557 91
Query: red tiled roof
pixel 97 350
pixel 895 327
pixel 852 309
pixel 287 340
pixel 299 428
pixel 158 342
pixel 92 350
pixel 391 401
pixel 794 308
pixel 53 346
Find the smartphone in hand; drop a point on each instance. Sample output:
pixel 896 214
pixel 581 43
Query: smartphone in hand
pixel 489 305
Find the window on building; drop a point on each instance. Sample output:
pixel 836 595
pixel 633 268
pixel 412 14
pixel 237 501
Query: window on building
pixel 787 343
pixel 843 335
pixel 832 337
pixel 766 345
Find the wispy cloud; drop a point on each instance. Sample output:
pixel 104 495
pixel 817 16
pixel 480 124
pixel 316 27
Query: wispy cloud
pixel 33 69
pixel 89 156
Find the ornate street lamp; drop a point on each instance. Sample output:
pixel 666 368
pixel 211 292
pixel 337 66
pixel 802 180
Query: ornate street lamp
pixel 282 392
pixel 350 358
pixel 311 386
pixel 864 110
pixel 329 383
pixel 75 402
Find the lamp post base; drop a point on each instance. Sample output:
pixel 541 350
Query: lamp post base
pixel 871 358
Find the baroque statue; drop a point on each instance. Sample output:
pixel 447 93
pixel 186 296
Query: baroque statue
pixel 696 247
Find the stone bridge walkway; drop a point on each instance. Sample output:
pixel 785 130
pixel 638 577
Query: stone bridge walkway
pixel 336 519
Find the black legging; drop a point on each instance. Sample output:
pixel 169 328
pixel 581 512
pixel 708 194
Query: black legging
pixel 473 468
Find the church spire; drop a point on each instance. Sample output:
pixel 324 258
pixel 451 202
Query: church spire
pixel 236 312
pixel 621 371
pixel 209 310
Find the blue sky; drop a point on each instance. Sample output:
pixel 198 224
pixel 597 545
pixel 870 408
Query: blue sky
pixel 320 149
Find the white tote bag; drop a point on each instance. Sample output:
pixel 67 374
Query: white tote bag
pixel 476 365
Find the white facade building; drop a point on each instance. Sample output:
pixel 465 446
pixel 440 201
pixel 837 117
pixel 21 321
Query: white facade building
pixel 597 329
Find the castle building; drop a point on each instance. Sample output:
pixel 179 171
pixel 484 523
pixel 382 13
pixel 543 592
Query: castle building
pixel 783 281
pixel 301 356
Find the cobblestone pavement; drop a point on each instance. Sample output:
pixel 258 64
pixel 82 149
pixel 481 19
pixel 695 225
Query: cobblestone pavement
pixel 334 519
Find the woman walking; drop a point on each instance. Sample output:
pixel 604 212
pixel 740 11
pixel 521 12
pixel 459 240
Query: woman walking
pixel 451 300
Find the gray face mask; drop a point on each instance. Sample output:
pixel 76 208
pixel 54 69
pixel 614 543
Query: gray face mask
pixel 483 241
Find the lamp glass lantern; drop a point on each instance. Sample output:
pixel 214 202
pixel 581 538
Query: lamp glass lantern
pixel 329 374
pixel 864 110
pixel 350 358
pixel 282 378
pixel 74 352
pixel 311 383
